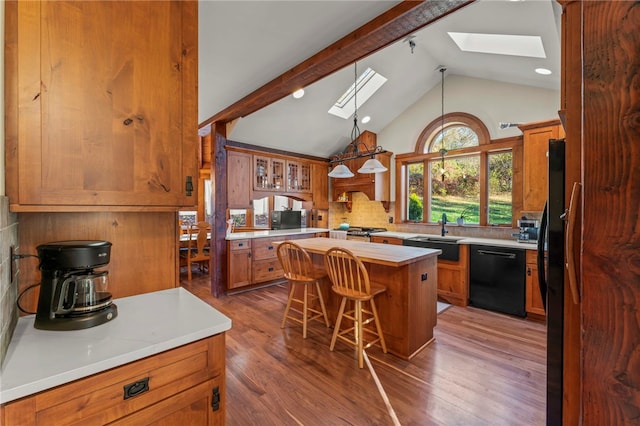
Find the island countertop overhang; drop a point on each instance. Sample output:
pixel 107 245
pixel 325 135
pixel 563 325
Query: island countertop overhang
pixel 382 254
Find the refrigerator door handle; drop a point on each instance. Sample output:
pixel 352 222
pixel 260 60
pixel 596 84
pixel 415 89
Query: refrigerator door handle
pixel 542 238
pixel 570 265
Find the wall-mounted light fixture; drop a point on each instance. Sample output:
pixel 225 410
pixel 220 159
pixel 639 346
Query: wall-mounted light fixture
pixel 356 149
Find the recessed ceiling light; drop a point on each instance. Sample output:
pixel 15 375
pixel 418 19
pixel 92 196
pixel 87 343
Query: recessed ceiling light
pixel 543 71
pixel 500 44
pixel 366 119
pixel 298 93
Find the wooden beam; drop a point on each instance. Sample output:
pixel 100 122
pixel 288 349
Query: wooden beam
pixel 394 24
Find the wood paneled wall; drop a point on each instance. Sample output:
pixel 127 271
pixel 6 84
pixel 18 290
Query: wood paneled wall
pixel 143 255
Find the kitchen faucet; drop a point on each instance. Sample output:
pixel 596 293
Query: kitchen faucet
pixel 444 222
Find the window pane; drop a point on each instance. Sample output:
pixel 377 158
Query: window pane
pixel 500 186
pixel 415 191
pixel 261 213
pixel 455 137
pixel 458 194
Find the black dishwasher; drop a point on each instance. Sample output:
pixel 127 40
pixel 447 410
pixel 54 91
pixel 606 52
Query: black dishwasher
pixel 497 279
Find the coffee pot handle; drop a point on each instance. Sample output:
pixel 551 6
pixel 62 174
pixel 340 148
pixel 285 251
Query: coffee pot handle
pixel 59 296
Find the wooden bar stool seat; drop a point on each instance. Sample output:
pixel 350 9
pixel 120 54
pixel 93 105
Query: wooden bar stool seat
pixel 351 281
pixel 301 273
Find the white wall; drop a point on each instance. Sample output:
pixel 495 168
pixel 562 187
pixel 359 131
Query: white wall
pixel 492 102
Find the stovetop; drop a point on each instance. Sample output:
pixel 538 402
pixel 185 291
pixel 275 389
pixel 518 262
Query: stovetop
pixel 363 230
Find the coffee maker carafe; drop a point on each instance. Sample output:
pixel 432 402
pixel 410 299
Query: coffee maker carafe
pixel 73 295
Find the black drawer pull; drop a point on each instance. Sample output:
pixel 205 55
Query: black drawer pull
pixel 240 244
pixel 271 269
pixel 136 388
pixel 270 248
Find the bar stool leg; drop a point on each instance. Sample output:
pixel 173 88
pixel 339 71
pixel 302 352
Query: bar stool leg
pixel 322 306
pixel 338 321
pixel 305 314
pixel 286 310
pixel 378 327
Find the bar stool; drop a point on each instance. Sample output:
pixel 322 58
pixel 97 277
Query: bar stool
pixel 300 272
pixel 351 281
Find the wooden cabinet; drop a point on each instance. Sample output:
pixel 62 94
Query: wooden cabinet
pixel 298 176
pixel 185 385
pixel 255 261
pixel 238 263
pixel 320 186
pixel 266 266
pixel 535 168
pixel 238 180
pixel 453 279
pixel 96 123
pixel 533 298
pixel 386 240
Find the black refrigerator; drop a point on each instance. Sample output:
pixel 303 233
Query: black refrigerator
pixel 551 276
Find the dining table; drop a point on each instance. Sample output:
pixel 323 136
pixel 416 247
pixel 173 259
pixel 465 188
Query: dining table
pixel 408 308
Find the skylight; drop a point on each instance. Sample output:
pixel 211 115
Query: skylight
pixel 368 83
pixel 500 44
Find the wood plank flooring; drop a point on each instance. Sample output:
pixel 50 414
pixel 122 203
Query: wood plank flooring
pixel 484 368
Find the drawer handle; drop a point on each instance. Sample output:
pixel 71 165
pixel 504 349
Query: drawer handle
pixel 271 269
pixel 136 388
pixel 270 248
pixel 240 244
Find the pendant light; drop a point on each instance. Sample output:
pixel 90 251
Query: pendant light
pixel 353 150
pixel 443 150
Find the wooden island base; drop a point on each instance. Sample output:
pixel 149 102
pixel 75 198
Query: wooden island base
pixel 408 309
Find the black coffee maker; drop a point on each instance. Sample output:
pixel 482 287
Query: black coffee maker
pixel 73 295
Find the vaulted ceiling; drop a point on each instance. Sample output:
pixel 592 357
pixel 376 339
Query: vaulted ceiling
pixel 245 45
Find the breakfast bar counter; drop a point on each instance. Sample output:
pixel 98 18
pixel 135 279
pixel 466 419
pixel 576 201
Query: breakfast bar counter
pixel 407 309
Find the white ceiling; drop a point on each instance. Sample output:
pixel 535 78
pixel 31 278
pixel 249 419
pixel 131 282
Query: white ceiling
pixel 245 44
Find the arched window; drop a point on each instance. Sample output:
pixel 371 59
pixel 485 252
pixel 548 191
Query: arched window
pixel 456 171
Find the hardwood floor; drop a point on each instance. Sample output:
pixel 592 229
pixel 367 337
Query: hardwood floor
pixel 483 368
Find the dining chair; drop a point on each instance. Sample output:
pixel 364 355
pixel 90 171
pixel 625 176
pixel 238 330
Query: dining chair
pixel 198 251
pixel 351 281
pixel 301 273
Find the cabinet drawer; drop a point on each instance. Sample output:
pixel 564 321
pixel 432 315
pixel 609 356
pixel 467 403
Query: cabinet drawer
pixel 266 270
pixel 100 398
pixel 263 248
pixel 239 244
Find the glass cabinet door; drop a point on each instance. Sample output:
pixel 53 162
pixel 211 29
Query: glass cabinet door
pixel 277 174
pixel 298 176
pixel 260 172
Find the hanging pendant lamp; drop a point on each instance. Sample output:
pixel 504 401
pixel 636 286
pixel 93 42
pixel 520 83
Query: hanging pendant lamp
pixel 443 150
pixel 352 151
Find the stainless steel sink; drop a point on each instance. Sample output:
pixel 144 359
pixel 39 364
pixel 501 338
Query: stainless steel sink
pixel 448 245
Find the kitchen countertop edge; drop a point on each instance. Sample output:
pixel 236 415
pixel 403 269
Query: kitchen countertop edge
pixel 147 324
pixel 273 233
pixel 464 240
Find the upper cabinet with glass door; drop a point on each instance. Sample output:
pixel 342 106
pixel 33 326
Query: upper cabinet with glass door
pixel 298 176
pixel 268 173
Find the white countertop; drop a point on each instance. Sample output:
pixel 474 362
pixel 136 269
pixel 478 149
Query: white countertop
pixel 464 240
pixel 269 233
pixel 146 324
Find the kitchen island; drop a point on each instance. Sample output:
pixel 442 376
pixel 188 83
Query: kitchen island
pixel 407 309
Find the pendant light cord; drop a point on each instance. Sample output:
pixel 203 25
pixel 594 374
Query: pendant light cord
pixel 443 150
pixel 355 133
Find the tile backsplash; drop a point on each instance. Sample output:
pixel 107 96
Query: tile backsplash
pixel 8 283
pixel 369 213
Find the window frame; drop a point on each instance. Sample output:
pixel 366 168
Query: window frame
pixel 485 147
